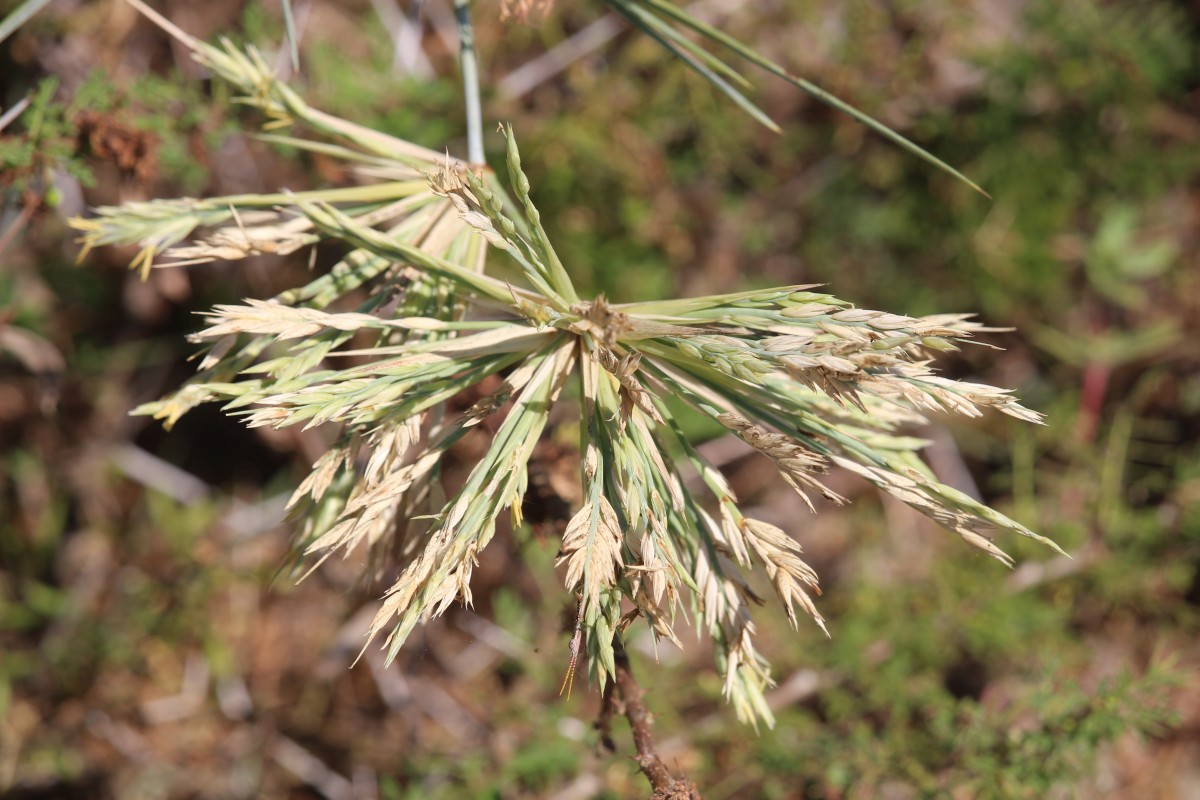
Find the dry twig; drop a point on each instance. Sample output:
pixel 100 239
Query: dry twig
pixel 666 786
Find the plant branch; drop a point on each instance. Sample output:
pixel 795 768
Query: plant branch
pixel 470 79
pixel 665 786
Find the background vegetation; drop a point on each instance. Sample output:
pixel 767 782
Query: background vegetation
pixel 149 649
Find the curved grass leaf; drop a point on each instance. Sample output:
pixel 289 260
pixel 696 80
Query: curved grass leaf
pixel 636 11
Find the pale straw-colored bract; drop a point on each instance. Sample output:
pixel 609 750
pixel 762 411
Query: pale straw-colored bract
pixel 806 379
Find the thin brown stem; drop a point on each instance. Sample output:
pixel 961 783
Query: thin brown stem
pixel 665 786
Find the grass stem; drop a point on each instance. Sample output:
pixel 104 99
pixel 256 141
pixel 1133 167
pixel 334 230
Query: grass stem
pixel 470 79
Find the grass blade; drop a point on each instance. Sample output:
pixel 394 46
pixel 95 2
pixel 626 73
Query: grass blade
pixel 715 34
pixel 289 22
pixel 19 16
pixel 669 38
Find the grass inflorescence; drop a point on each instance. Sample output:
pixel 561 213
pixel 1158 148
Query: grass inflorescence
pixel 806 379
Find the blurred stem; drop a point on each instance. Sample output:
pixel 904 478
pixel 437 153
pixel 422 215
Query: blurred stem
pixel 470 79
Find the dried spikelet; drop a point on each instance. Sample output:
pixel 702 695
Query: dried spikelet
pixel 721 588
pixel 652 569
pixel 796 463
pixel 746 673
pixel 657 616
pixel 317 482
pixel 591 549
pixel 788 574
pixel 446 180
pixel 283 322
pixel 388 446
pixel 725 612
pixel 727 536
pixel 649 448
pixel 633 394
pixel 238 243
pixel 217 352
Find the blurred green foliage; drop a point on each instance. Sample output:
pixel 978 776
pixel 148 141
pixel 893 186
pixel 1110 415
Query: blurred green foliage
pixel 167 112
pixel 47 140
